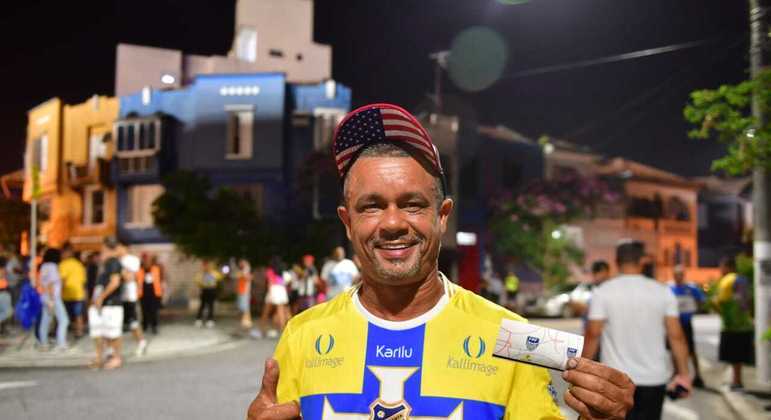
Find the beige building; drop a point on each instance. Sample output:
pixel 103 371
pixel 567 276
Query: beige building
pixel 270 36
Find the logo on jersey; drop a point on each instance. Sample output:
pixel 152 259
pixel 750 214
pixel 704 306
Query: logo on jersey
pixel 324 349
pixel 382 411
pixel 471 353
pixel 572 352
pixel 532 342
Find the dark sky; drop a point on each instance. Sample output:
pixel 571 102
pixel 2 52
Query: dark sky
pixel 632 109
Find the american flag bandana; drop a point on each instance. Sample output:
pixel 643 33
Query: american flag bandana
pixel 378 123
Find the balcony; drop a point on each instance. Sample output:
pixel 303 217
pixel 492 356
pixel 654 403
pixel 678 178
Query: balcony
pixel 98 172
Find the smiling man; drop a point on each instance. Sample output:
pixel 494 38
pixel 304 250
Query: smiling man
pixel 406 342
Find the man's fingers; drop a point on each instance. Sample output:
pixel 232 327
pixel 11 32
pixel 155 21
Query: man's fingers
pixel 269 381
pixel 577 405
pixel 598 369
pixel 598 403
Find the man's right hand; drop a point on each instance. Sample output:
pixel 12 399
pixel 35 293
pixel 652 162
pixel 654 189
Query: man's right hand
pixel 265 406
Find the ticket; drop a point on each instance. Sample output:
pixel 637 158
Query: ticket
pixel 528 343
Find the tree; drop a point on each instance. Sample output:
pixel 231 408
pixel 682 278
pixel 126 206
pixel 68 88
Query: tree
pixel 725 113
pixel 530 226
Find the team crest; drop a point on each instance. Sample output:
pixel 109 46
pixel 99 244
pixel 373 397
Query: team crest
pixel 382 411
pixel 532 342
pixel 572 352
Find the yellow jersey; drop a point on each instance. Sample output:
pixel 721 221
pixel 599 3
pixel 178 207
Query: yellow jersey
pixel 341 362
pixel 73 275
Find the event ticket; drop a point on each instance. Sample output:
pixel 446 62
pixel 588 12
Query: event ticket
pixel 528 343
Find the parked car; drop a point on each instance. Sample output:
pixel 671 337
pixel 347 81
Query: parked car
pixel 557 302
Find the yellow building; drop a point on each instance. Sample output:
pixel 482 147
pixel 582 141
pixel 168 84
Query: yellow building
pixel 71 147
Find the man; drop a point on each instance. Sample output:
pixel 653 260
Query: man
pixel 150 292
pixel 105 316
pixel 73 274
pixel 341 274
pixel 689 299
pixel 131 265
pixel 308 281
pixel 6 307
pixel 14 272
pixel 406 341
pixel 733 301
pixel 633 316
pixel 512 290
pixel 600 273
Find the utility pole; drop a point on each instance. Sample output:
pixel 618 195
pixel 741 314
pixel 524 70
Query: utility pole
pixel 760 58
pixel 33 224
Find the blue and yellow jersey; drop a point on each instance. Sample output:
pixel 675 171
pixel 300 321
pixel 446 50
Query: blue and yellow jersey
pixel 341 362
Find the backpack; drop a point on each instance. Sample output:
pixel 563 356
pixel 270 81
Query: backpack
pixel 29 306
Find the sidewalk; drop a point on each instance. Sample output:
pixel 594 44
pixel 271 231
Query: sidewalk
pixel 177 337
pixel 747 405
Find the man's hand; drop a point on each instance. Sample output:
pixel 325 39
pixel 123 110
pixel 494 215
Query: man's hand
pixel 264 406
pixel 598 391
pixel 684 381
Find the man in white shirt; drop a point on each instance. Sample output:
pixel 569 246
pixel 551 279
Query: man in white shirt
pixel 339 273
pixel 632 315
pixel 131 265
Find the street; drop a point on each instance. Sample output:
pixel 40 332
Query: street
pixel 221 385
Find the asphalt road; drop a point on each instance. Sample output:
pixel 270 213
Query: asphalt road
pixel 220 386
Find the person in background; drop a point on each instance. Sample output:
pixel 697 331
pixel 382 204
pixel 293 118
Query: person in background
pixel 207 280
pixel 53 306
pixel 130 296
pixel 511 283
pixel 633 316
pixel 105 315
pixel 276 300
pixel 14 271
pixel 308 281
pixel 150 292
pixel 244 292
pixel 73 275
pixel 91 261
pixel 293 288
pixel 689 300
pixel 600 273
pixel 342 274
pixel 6 305
pixel 733 302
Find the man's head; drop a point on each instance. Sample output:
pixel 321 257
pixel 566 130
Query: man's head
pixel 628 257
pixel 110 247
pixel 338 253
pixel 67 250
pixel 394 213
pixel 679 272
pixel 308 260
pixel 600 271
pixel 727 265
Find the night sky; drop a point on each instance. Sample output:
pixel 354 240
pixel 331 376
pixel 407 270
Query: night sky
pixel 380 49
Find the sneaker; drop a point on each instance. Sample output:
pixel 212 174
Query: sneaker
pixel 210 324
pixel 698 382
pixel 256 334
pixel 141 348
pixel 198 323
pixel 272 334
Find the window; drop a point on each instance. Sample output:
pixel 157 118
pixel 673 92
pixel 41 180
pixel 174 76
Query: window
pixel 93 206
pixel 40 152
pixel 138 143
pixel 324 126
pixel 240 136
pixel 140 204
pixel 246 44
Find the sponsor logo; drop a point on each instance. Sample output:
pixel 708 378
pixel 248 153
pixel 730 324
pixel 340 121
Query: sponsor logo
pixel 532 342
pixel 469 352
pixel 321 349
pixel 385 352
pixel 572 352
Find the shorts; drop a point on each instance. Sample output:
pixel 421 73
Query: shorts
pixel 107 323
pixel 130 315
pixel 737 347
pixel 277 295
pixel 243 303
pixel 74 308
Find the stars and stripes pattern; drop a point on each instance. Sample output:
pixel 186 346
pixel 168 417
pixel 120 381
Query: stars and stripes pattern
pixel 378 123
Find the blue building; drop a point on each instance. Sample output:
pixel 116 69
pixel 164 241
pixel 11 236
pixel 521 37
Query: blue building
pixel 249 132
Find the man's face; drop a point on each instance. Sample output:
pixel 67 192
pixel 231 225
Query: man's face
pixel 393 220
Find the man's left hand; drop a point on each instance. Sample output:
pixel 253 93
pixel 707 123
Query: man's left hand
pixel 598 391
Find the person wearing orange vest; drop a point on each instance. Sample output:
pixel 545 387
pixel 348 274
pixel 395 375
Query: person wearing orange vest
pixel 6 307
pixel 150 290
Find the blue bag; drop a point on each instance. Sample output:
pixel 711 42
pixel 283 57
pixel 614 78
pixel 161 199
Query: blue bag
pixel 28 307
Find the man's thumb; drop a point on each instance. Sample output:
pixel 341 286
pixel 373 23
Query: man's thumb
pixel 270 380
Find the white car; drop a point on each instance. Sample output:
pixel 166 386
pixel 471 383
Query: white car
pixel 558 302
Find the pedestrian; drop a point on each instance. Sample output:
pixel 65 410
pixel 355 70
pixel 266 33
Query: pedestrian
pixel 689 299
pixel 244 292
pixel 342 274
pixel 73 274
pixel 733 301
pixel 633 316
pixel 105 315
pixel 406 341
pixel 276 308
pixel 308 283
pixel 6 305
pixel 14 271
pixel 293 288
pixel 92 272
pixel 511 283
pixel 130 295
pixel 53 306
pixel 150 292
pixel 207 280
pixel 600 273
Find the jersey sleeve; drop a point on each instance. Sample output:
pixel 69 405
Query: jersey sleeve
pixel 532 395
pixel 289 374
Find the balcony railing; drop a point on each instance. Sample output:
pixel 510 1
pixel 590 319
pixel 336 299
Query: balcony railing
pixel 98 172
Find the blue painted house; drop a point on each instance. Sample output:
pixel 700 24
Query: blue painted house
pixel 249 132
